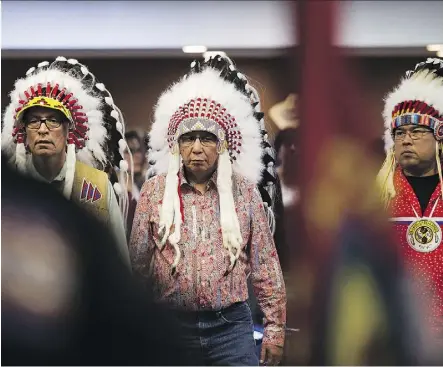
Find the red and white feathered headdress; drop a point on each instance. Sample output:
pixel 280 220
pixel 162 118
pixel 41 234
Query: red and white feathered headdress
pixel 205 101
pixel 417 100
pixel 96 134
pixel 213 97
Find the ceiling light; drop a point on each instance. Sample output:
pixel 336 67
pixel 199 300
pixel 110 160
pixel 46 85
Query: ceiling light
pixel 434 48
pixel 194 49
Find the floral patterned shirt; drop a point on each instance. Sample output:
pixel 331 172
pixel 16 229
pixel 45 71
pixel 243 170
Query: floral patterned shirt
pixel 201 281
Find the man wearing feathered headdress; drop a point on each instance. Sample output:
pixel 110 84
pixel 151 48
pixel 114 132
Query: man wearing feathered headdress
pixel 62 127
pixel 411 179
pixel 201 227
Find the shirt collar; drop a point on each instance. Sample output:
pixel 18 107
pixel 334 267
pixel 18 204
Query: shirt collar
pixel 34 173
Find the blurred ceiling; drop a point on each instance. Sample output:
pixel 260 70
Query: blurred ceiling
pixel 242 28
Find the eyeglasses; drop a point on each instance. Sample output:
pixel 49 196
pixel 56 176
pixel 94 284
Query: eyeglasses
pixel 35 123
pixel 416 134
pixel 206 141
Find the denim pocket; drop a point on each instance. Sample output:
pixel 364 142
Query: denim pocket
pixel 238 314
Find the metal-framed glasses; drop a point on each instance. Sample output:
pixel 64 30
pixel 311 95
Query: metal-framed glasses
pixel 206 140
pixel 415 134
pixel 35 123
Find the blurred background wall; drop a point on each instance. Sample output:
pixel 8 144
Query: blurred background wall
pixel 137 82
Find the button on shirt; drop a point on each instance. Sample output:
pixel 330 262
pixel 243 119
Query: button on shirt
pixel 201 281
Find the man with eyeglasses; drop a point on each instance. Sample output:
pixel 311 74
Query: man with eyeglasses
pixel 46 131
pixel 411 181
pixel 201 228
pixel 60 127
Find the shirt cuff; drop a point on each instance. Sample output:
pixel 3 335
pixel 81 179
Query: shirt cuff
pixel 274 335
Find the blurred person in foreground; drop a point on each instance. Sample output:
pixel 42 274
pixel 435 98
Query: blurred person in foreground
pixel 412 184
pixel 67 296
pixel 63 128
pixel 201 228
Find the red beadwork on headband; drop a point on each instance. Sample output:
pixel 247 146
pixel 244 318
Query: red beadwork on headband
pixel 416 106
pixel 78 135
pixel 206 109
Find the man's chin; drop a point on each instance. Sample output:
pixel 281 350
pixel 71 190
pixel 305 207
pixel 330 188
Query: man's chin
pixel 409 162
pixel 198 168
pixel 43 152
pixel 412 167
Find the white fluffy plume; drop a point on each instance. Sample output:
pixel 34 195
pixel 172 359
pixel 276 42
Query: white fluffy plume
pixel 423 86
pixel 208 84
pixel 93 154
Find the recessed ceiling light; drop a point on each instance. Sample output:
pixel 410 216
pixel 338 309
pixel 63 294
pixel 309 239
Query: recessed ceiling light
pixel 194 49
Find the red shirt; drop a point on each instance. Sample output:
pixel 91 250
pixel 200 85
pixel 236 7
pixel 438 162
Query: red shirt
pixel 421 245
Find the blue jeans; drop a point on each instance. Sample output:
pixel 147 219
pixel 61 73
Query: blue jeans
pixel 222 337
